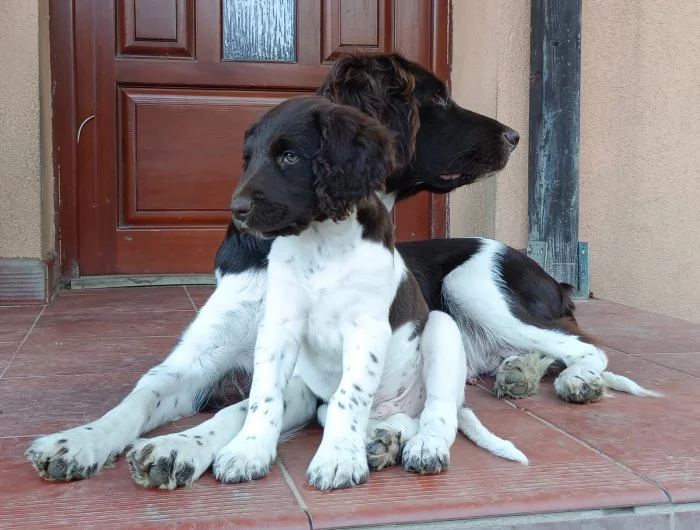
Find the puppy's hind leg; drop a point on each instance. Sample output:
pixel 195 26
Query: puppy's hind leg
pixel 386 439
pixel 444 377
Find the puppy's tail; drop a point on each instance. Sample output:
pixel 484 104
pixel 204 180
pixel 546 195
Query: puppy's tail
pixel 625 384
pixel 473 429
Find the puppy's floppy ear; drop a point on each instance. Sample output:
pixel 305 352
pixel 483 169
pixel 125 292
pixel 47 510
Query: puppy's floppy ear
pixel 381 86
pixel 355 157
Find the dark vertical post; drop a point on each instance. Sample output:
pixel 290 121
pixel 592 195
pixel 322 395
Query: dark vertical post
pixel 553 172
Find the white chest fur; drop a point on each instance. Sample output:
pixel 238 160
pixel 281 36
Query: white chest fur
pixel 331 280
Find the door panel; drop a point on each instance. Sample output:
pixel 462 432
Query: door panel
pixel 177 142
pixel 174 84
pixel 156 28
pixel 353 24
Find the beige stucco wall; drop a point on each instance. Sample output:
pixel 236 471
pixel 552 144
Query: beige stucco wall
pixel 490 74
pixel 640 141
pixel 26 184
pixel 640 152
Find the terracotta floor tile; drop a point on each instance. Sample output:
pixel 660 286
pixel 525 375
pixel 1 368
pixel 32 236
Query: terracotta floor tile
pixel 7 350
pixel 42 405
pixel 32 406
pixel 126 300
pixel 200 293
pixel 635 331
pixel 16 321
pixel 688 363
pixel 89 356
pixel 477 484
pixel 113 500
pixel 110 324
pixel 656 437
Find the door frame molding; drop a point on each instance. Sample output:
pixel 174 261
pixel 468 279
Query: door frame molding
pixel 66 123
pixel 64 130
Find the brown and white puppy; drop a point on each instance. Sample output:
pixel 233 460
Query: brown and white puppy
pixel 503 302
pixel 343 314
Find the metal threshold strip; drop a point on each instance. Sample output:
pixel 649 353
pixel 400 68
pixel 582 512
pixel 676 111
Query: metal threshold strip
pixel 140 280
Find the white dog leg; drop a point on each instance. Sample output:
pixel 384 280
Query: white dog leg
pixel 218 340
pixel 444 376
pixel 179 459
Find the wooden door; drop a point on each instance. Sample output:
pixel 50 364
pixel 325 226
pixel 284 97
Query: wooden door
pixel 165 91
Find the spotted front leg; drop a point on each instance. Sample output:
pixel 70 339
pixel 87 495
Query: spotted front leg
pixel 341 460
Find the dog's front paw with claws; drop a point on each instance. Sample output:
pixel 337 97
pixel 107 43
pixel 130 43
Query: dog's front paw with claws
pixel 74 454
pixel 578 384
pixel 340 463
pixel 426 453
pixel 243 460
pixel 169 461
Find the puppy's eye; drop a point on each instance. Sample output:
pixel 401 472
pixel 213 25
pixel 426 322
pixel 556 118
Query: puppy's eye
pixel 290 158
pixel 440 98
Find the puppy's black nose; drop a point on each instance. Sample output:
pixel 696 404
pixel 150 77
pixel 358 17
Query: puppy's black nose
pixel 241 206
pixel 511 137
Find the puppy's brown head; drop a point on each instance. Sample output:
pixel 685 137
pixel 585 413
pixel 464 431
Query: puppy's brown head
pixel 305 160
pixel 440 145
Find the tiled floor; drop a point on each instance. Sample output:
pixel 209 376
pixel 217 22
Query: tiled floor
pixel 623 463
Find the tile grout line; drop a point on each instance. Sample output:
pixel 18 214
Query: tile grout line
pixel 126 372
pixel 670 368
pixel 117 337
pixel 594 449
pixel 665 353
pixel 295 492
pixel 19 346
pixel 187 292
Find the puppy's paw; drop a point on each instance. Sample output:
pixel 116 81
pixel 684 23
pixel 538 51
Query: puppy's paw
pixel 519 376
pixel 578 384
pixel 243 460
pixel 426 453
pixel 340 463
pixel 383 448
pixel 169 461
pixel 74 454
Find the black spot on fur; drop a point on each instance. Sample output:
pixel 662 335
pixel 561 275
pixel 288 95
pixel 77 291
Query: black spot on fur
pixel 409 305
pixel 269 399
pixel 376 222
pixel 341 405
pixel 184 474
pixel 373 357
